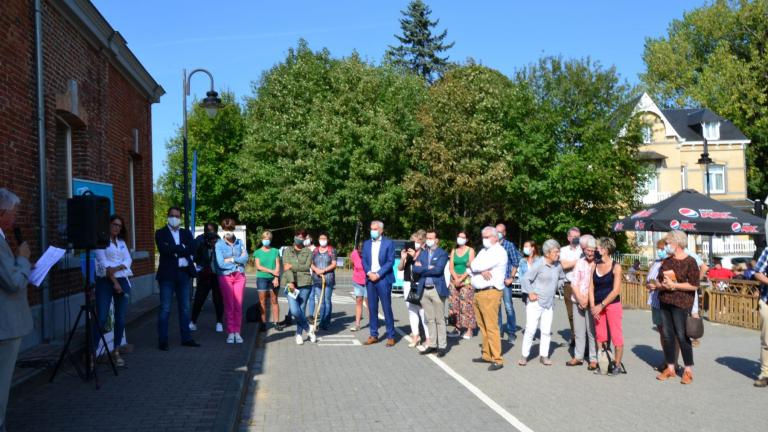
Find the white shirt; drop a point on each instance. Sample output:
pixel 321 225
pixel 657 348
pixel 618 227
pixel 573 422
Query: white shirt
pixel 114 256
pixel 375 248
pixel 567 253
pixel 493 259
pixel 175 233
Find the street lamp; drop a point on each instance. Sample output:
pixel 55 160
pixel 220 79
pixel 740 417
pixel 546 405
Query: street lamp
pixel 706 161
pixel 211 103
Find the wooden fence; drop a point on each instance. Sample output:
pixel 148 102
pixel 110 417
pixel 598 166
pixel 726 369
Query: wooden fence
pixel 732 302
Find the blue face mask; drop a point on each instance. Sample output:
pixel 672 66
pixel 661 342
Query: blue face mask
pixel 661 254
pixel 266 242
pixel 669 249
pixel 374 234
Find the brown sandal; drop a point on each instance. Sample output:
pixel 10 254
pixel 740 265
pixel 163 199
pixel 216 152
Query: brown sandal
pixel 522 362
pixel 574 362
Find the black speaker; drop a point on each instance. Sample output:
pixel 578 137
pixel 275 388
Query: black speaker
pixel 88 221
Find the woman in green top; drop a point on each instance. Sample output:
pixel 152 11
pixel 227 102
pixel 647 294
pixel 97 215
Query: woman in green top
pixel 462 294
pixel 267 278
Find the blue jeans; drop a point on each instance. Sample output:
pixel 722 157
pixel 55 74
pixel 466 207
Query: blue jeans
pixel 511 326
pixel 297 307
pixel 104 294
pixel 380 290
pixel 326 306
pixel 181 287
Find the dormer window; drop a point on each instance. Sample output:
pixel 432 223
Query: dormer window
pixel 711 130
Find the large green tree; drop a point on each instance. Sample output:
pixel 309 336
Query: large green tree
pixel 716 56
pixel 217 141
pixel 574 154
pixel 419 49
pixel 326 142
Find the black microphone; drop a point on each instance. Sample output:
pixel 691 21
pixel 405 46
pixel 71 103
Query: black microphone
pixel 17 234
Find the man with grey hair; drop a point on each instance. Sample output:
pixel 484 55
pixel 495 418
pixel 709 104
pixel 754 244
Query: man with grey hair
pixel 488 270
pixel 15 318
pixel 378 262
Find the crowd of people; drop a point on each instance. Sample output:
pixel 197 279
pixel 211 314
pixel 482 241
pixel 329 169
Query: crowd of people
pixel 476 286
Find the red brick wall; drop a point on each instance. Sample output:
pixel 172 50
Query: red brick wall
pixel 101 136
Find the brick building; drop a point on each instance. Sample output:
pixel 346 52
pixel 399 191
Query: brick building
pixel 92 129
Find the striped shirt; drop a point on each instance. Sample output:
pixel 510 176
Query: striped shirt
pixel 513 256
pixel 762 267
pixel 653 274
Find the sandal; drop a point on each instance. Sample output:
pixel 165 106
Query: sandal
pixel 592 366
pixel 545 361
pixel 522 362
pixel 574 362
pixel 414 341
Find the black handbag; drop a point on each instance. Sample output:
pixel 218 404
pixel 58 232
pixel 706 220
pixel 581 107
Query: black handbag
pixel 414 295
pixel 694 327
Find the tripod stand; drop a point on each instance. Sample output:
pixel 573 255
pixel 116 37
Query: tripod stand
pixel 89 311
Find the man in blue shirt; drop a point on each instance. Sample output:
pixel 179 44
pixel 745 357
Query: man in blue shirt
pixel 513 261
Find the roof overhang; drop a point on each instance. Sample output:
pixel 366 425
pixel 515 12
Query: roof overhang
pixel 650 156
pixel 646 104
pixel 89 21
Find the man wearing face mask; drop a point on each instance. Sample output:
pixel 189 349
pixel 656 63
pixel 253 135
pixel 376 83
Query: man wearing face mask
pixel 569 256
pixel 378 262
pixel 431 266
pixel 174 275
pixel 513 262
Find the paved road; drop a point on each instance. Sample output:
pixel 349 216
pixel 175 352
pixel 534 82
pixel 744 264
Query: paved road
pixel 338 384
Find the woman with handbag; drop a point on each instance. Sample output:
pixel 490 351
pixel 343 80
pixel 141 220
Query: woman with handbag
pixel 462 294
pixel 415 311
pixel 677 282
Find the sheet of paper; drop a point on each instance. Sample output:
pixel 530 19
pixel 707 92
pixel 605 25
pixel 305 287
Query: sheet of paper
pixel 51 256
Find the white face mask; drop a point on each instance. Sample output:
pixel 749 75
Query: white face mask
pixel 174 222
pixel 430 243
pixel 307 242
pixel 417 245
pixel 461 241
pixel 323 243
pixel 487 243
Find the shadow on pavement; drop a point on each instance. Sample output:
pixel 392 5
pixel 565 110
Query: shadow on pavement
pixel 746 367
pixel 652 356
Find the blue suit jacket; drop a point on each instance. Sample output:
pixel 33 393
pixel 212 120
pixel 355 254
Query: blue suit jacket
pixel 170 253
pixel 434 269
pixel 386 259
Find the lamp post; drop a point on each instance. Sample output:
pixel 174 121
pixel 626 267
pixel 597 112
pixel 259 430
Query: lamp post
pixel 706 160
pixel 211 103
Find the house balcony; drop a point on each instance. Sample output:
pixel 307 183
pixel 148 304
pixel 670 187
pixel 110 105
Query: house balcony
pixel 651 198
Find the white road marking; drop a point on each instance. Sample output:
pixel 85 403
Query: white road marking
pixel 498 409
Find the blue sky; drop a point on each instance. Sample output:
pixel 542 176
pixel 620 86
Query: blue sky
pixel 239 39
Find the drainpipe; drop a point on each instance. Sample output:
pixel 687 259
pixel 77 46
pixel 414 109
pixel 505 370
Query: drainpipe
pixel 45 326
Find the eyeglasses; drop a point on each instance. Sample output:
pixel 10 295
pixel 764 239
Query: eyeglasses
pixel 117 225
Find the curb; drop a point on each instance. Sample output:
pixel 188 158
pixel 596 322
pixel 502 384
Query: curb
pixel 228 414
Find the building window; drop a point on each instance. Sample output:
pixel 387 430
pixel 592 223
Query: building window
pixel 711 130
pixel 132 187
pixel 683 177
pixel 647 132
pixel 716 179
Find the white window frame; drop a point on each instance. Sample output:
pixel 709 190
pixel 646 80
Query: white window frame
pixel 711 130
pixel 721 170
pixel 647 133
pixel 683 177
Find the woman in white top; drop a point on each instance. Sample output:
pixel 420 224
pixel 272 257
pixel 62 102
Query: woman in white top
pixel 113 268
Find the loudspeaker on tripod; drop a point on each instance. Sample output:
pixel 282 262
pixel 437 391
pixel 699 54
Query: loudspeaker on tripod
pixel 88 221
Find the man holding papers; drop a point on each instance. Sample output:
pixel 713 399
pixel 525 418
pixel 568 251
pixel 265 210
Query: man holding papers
pixel 15 318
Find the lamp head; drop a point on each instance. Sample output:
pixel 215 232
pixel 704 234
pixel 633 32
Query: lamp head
pixel 211 103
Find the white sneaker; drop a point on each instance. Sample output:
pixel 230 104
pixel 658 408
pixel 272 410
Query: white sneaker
pixel 238 338
pixel 192 326
pixel 312 337
pixel 231 338
pixel 299 340
pixel 219 328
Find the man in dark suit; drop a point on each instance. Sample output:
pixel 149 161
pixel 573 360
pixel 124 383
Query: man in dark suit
pixel 378 262
pixel 174 275
pixel 433 290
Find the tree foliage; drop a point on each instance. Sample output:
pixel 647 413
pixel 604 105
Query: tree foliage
pixel 716 56
pixel 217 141
pixel 419 50
pixel 325 143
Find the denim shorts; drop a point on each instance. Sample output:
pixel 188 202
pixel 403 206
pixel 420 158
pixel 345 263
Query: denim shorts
pixel 264 284
pixel 360 290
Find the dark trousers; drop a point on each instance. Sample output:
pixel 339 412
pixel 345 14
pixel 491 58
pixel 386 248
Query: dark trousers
pixel 178 286
pixel 673 328
pixel 380 290
pixel 207 282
